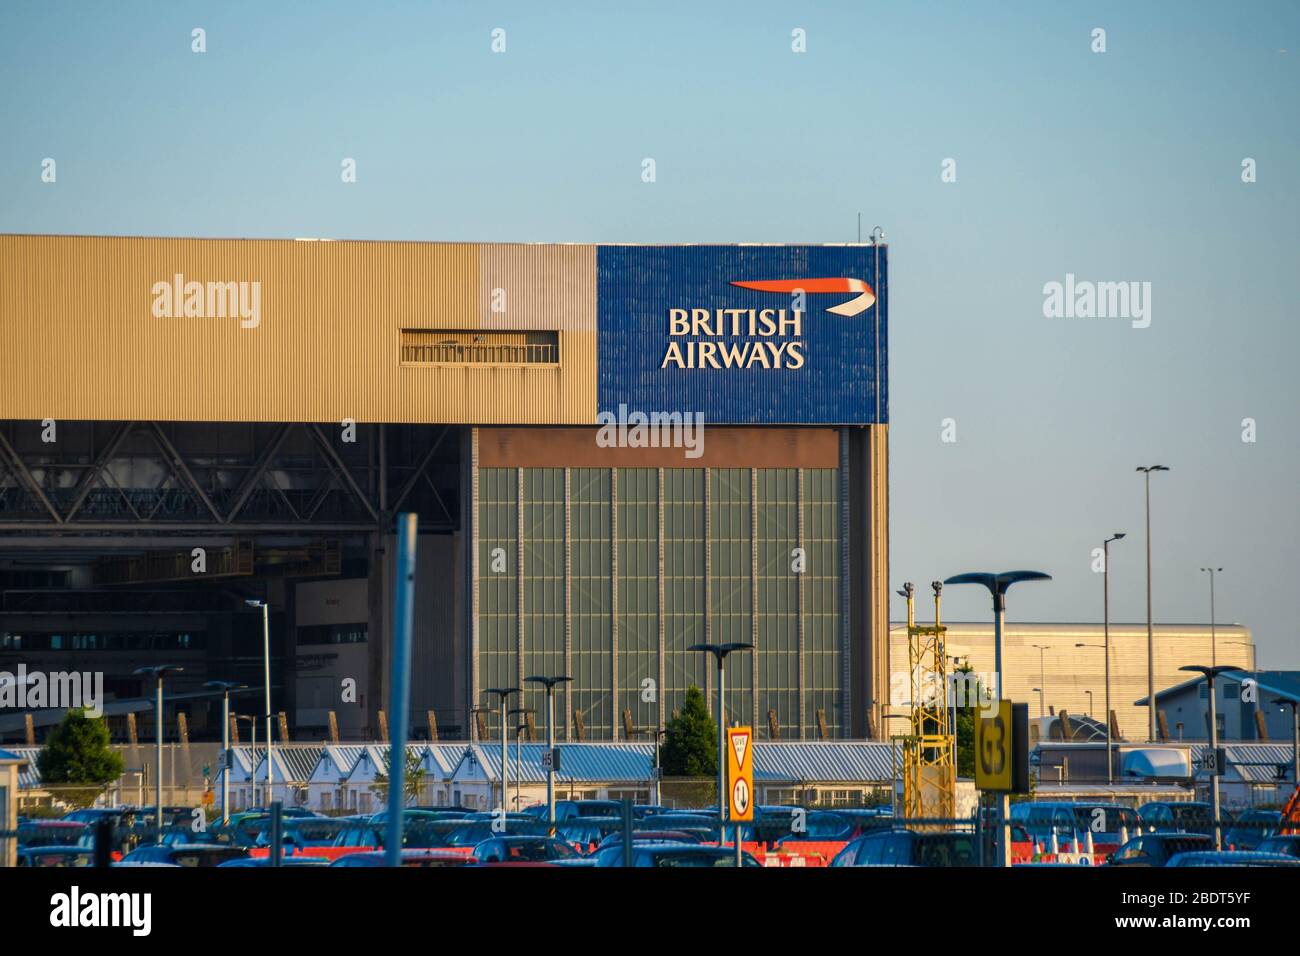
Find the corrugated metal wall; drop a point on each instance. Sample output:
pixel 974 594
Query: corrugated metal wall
pixel 1073 671
pixel 79 338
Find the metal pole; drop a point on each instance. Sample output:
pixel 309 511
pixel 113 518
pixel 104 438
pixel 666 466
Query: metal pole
pixel 1105 603
pixel 505 755
pixel 400 700
pixel 1214 774
pixel 657 772
pixel 1151 641
pixel 1004 799
pixel 1295 742
pixel 225 750
pixel 266 677
pixel 1214 642
pixel 252 756
pixel 158 736
pixel 1042 684
pixel 722 757
pixel 277 834
pixel 550 743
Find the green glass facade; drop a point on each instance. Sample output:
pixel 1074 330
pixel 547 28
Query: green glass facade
pixel 610 574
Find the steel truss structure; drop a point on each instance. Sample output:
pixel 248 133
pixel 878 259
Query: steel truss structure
pixel 929 750
pixel 71 478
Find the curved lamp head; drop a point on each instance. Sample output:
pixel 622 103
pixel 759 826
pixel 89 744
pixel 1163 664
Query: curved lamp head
pixel 999 583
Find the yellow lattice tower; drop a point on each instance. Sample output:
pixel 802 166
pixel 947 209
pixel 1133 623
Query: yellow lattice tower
pixel 929 751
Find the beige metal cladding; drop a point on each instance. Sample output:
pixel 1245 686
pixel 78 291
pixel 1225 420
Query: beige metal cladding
pixel 317 338
pixel 1071 672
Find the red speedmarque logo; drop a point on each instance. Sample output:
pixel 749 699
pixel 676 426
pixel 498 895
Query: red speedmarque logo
pixel 866 295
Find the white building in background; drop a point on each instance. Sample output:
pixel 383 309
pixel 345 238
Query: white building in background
pixel 1074 678
pixel 326 786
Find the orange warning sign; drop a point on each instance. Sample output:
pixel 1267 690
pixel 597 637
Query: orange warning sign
pixel 740 772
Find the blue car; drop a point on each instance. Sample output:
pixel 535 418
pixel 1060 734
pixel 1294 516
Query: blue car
pixel 190 854
pixel 523 849
pixel 1251 829
pixel 1288 844
pixel 668 855
pixel 56 856
pixel 900 847
pixel 1232 858
pixel 286 861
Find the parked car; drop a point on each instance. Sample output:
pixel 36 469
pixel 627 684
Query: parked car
pixel 674 855
pixel 55 856
pixel 1232 858
pixel 190 854
pixel 584 834
pixel 523 849
pixel 1156 849
pixel 423 834
pixel 1288 844
pixel 285 861
pixel 410 857
pixel 642 810
pixel 303 832
pixel 284 812
pixel 568 809
pixel 678 820
pixel 1175 817
pixel 777 825
pixel 423 813
pixel 901 847
pixel 172 816
pixel 657 836
pixel 470 835
pixel 121 816
pixel 50 833
pixel 187 836
pixel 1107 822
pixel 1251 829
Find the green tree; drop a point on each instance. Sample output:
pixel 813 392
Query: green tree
pixel 966 742
pixel 690 747
pixel 967 714
pixel 77 761
pixel 412 785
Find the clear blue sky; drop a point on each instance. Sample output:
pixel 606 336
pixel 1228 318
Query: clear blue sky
pixel 1117 166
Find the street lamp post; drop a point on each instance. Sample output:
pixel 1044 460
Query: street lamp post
pixel 158 672
pixel 720 652
pixel 658 772
pixel 225 687
pixel 1295 734
pixel 953 670
pixel 549 683
pixel 894 740
pixel 252 757
pixel 1042 679
pixel 1151 640
pixel 266 681
pixel 1211 673
pixel 1105 616
pixel 520 727
pixel 998 585
pixel 1214 643
pixel 504 694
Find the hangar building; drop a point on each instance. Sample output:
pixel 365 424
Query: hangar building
pixel 271 406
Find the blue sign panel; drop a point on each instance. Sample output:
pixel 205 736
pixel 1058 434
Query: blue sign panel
pixel 744 334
